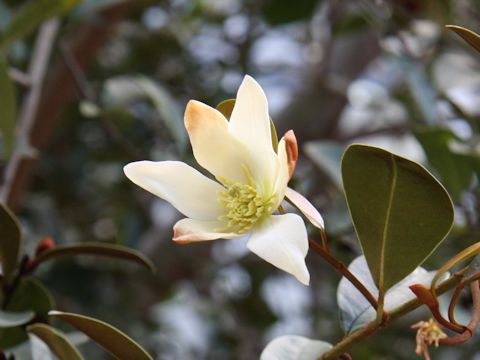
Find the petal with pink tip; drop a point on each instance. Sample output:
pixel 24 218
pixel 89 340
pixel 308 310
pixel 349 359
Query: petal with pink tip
pixel 190 230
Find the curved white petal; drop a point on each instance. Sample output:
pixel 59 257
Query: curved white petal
pixel 189 230
pixel 281 180
pixel 189 191
pixel 283 242
pixel 306 207
pixel 250 124
pixel 214 148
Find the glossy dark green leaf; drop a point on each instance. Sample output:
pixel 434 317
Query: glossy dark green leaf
pixel 12 319
pixel 98 249
pixel 10 240
pixel 401 213
pixel 56 341
pixel 110 338
pixel 226 108
pixel 30 295
pixel 472 38
pixel 7 108
pixel 31 15
pixel 455 171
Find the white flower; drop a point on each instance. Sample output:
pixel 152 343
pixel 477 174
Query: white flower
pixel 252 180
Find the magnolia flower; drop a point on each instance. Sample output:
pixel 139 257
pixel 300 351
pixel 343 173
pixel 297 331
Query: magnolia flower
pixel 251 182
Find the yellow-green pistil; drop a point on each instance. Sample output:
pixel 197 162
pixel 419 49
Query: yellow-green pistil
pixel 245 207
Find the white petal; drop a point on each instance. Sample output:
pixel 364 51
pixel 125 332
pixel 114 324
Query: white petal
pixel 214 148
pixel 306 207
pixel 189 191
pixel 281 180
pixel 250 123
pixel 189 230
pixel 283 242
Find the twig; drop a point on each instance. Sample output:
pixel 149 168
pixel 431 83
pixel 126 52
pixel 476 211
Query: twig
pixel 375 325
pixel 342 269
pixel 20 77
pixel 36 74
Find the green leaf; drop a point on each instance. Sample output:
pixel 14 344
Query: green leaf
pixel 456 171
pixel 472 38
pixel 401 213
pixel 110 338
pixel 10 240
pixel 31 15
pixel 98 249
pixel 290 347
pixel 56 341
pixel 30 295
pixel 283 11
pixel 24 350
pixel 226 108
pixel 7 108
pixel 12 319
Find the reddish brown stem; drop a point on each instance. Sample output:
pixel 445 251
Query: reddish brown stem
pixel 342 269
pixel 474 322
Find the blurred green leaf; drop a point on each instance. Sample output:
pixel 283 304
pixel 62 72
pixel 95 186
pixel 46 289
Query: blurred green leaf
pixel 472 38
pixel 283 11
pixel 10 240
pixel 401 213
pixel 24 350
pixel 32 15
pixel 11 319
pixel 327 156
pixel 127 89
pixel 226 108
pixel 7 108
pixel 56 341
pixel 110 338
pixel 99 249
pixel 455 170
pixel 30 295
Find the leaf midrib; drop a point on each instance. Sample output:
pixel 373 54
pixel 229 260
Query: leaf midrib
pixel 393 186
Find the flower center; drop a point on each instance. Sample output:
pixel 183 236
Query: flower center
pixel 245 207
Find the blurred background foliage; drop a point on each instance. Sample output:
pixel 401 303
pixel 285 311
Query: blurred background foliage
pixel 118 76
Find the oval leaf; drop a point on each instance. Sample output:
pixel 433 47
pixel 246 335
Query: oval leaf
pixel 12 319
pixel 401 213
pixel 290 347
pixel 32 15
pixel 472 38
pixel 56 341
pixel 10 237
pixel 99 249
pixel 111 339
pixel 7 109
pixel 30 295
pixel 226 108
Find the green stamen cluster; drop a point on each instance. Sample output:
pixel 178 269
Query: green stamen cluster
pixel 245 207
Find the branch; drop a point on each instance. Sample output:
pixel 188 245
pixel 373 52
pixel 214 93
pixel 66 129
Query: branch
pixel 36 74
pixel 375 325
